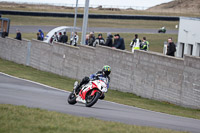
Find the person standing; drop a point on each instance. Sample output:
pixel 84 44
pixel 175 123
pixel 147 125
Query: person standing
pixel 171 47
pixel 109 41
pixel 91 39
pixel 18 35
pixel 4 34
pixel 99 41
pixel 118 42
pixel 38 36
pixel 41 34
pixel 74 41
pixel 135 44
pixel 144 45
pixel 64 38
pixel 54 37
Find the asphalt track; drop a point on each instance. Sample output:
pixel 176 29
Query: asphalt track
pixel 34 29
pixel 22 92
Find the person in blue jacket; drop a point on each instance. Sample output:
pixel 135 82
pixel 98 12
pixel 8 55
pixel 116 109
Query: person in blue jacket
pixel 41 34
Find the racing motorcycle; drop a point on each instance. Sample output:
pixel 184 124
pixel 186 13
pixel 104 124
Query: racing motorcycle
pixel 161 30
pixel 89 93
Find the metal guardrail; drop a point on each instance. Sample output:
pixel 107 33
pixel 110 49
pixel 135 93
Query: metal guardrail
pixel 95 16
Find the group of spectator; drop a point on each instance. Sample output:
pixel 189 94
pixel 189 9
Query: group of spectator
pixel 63 38
pixel 138 44
pixel 59 37
pixel 117 43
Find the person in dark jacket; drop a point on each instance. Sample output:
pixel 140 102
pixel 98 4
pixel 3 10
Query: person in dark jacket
pixel 64 38
pixel 91 39
pixel 171 47
pixel 109 41
pixel 119 42
pixel 4 34
pixel 18 35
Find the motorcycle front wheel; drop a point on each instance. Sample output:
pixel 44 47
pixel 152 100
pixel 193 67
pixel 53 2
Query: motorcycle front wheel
pixel 72 98
pixel 91 100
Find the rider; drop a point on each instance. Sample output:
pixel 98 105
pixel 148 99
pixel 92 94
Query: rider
pixel 103 74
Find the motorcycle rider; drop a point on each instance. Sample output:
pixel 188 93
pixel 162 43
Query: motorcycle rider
pixel 103 74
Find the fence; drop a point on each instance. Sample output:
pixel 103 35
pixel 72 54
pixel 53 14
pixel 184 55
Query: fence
pixel 147 74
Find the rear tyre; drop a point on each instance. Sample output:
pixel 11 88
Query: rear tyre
pixel 91 100
pixel 72 98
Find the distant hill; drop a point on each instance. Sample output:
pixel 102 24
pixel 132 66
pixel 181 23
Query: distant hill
pixel 178 6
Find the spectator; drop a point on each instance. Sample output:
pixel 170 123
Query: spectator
pixel 135 44
pixel 59 36
pixel 64 38
pixel 171 47
pixel 91 39
pixel 38 36
pixel 109 41
pixel 144 45
pixel 41 34
pixel 87 39
pixel 18 35
pixel 74 39
pixel 54 38
pixel 4 34
pixel 119 42
pixel 99 41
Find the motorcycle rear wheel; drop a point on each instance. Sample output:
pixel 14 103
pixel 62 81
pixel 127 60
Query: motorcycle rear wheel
pixel 91 100
pixel 72 98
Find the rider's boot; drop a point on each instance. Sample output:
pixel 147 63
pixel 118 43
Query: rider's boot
pixel 77 89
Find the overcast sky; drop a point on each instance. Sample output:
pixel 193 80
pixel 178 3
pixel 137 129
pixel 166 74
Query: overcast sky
pixel 128 3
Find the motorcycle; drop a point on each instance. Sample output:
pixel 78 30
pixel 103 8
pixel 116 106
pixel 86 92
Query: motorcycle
pixel 89 93
pixel 161 30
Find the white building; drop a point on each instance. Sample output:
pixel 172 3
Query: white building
pixel 188 37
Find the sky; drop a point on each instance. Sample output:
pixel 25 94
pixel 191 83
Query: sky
pixel 107 3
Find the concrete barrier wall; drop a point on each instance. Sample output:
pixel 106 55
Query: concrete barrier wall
pixel 14 50
pixel 147 74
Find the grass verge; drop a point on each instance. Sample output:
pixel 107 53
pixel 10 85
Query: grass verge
pixel 20 119
pixel 112 95
pixel 111 23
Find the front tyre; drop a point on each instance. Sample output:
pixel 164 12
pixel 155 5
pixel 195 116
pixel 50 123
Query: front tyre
pixel 72 98
pixel 91 100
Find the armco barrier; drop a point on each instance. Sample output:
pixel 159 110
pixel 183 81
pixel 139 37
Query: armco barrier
pixel 96 16
pixel 147 74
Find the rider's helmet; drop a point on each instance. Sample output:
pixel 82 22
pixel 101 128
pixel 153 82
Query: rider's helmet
pixel 106 70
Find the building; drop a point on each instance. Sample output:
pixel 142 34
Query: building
pixel 4 25
pixel 188 37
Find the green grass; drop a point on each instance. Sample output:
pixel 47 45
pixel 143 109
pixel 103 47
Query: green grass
pixel 111 23
pixel 20 119
pixel 112 95
pixel 156 40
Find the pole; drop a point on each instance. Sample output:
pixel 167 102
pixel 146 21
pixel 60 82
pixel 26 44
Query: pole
pixel 85 21
pixel 75 16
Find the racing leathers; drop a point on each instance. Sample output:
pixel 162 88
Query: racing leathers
pixel 99 75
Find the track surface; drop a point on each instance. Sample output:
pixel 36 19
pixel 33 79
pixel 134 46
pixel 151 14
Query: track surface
pixel 21 92
pixel 34 29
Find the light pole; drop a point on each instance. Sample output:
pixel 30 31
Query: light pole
pixel 85 21
pixel 75 16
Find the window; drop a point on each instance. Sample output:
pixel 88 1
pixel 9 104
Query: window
pixel 182 48
pixel 198 49
pixel 190 49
